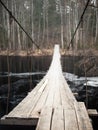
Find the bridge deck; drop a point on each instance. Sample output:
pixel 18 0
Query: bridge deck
pixel 51 104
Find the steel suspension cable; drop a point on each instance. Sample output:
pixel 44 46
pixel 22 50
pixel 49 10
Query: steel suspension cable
pixel 81 18
pixel 12 16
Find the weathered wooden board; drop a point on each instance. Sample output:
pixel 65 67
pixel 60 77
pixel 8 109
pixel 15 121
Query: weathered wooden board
pixel 70 118
pixel 19 121
pixel 57 122
pixel 82 117
pixel 45 119
pixel 92 112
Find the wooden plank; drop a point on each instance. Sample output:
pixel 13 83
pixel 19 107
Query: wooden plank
pixel 45 119
pixel 75 94
pixel 18 121
pixel 68 91
pixel 65 101
pixel 70 119
pixel 57 119
pixel 23 105
pixel 82 117
pixel 43 86
pixel 41 102
pixel 57 97
pixel 24 110
pixel 92 112
pixel 50 97
pixel 34 102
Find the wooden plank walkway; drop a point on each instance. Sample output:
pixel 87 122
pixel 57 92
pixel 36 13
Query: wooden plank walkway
pixel 51 104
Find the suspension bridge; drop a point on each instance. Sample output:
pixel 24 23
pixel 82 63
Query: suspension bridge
pixel 50 105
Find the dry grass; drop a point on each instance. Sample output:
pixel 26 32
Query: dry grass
pixel 43 52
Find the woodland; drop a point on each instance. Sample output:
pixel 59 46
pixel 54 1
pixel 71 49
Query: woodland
pixel 49 22
pixel 27 26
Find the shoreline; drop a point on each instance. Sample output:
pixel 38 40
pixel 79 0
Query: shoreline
pixel 43 52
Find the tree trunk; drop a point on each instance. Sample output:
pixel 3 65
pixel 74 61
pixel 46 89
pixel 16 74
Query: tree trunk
pixel 62 35
pixel 32 35
pixel 96 35
pixel 13 24
pixel 47 26
pixel 9 29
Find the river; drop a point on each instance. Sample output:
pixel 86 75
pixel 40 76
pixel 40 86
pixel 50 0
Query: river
pixel 22 80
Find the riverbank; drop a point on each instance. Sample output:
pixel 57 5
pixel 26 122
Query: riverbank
pixel 43 52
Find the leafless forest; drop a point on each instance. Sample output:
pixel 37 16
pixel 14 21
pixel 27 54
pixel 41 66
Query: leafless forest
pixel 49 22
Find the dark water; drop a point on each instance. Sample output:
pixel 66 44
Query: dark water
pixel 19 64
pixel 26 72
pixel 22 64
